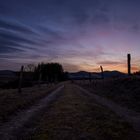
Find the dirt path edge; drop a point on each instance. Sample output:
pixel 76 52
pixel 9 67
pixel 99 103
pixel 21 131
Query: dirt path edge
pixel 129 115
pixel 8 130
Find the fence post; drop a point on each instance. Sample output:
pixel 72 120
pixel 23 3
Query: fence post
pixel 129 63
pixel 40 76
pixel 89 77
pixel 102 72
pixel 20 79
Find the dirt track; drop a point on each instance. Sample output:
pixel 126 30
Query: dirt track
pixel 76 114
pixel 11 128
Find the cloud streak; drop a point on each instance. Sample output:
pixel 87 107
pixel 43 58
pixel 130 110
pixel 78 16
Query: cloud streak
pixel 110 63
pixel 77 32
pixel 15 27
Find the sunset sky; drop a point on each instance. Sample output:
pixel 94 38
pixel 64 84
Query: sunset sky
pixel 79 34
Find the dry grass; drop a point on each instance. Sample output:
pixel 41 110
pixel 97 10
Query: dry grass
pixel 124 91
pixel 11 101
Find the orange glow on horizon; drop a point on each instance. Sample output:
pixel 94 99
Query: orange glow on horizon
pixel 121 68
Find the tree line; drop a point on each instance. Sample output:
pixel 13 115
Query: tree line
pixel 32 74
pixel 50 72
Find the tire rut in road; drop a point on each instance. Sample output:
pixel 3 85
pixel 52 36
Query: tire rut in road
pixel 10 129
pixel 132 117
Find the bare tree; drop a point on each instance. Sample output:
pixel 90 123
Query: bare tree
pixel 30 68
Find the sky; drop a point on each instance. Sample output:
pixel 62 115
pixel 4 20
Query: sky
pixel 79 34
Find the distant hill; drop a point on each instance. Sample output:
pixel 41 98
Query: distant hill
pixel 82 74
pixel 95 75
pixel 109 74
pixel 7 76
pixel 7 73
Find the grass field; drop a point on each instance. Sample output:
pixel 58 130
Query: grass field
pixel 124 91
pixel 12 102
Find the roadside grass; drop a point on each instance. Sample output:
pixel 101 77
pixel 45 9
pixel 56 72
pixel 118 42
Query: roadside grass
pixel 11 102
pixel 124 91
pixel 77 117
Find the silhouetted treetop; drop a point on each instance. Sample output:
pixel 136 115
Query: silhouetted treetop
pixel 50 71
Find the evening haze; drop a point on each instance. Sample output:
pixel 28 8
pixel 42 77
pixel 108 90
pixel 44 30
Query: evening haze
pixel 79 34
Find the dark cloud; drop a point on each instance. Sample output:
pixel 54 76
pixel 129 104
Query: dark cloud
pixel 8 49
pixel 51 9
pixel 7 46
pixel 14 37
pixel 15 27
pixel 14 34
pixel 8 43
pixel 14 42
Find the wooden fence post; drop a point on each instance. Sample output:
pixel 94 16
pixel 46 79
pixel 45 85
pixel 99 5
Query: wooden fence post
pixel 129 63
pixel 40 76
pixel 102 72
pixel 20 79
pixel 90 77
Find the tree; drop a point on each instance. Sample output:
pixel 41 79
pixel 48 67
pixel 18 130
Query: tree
pixel 30 68
pixel 50 72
